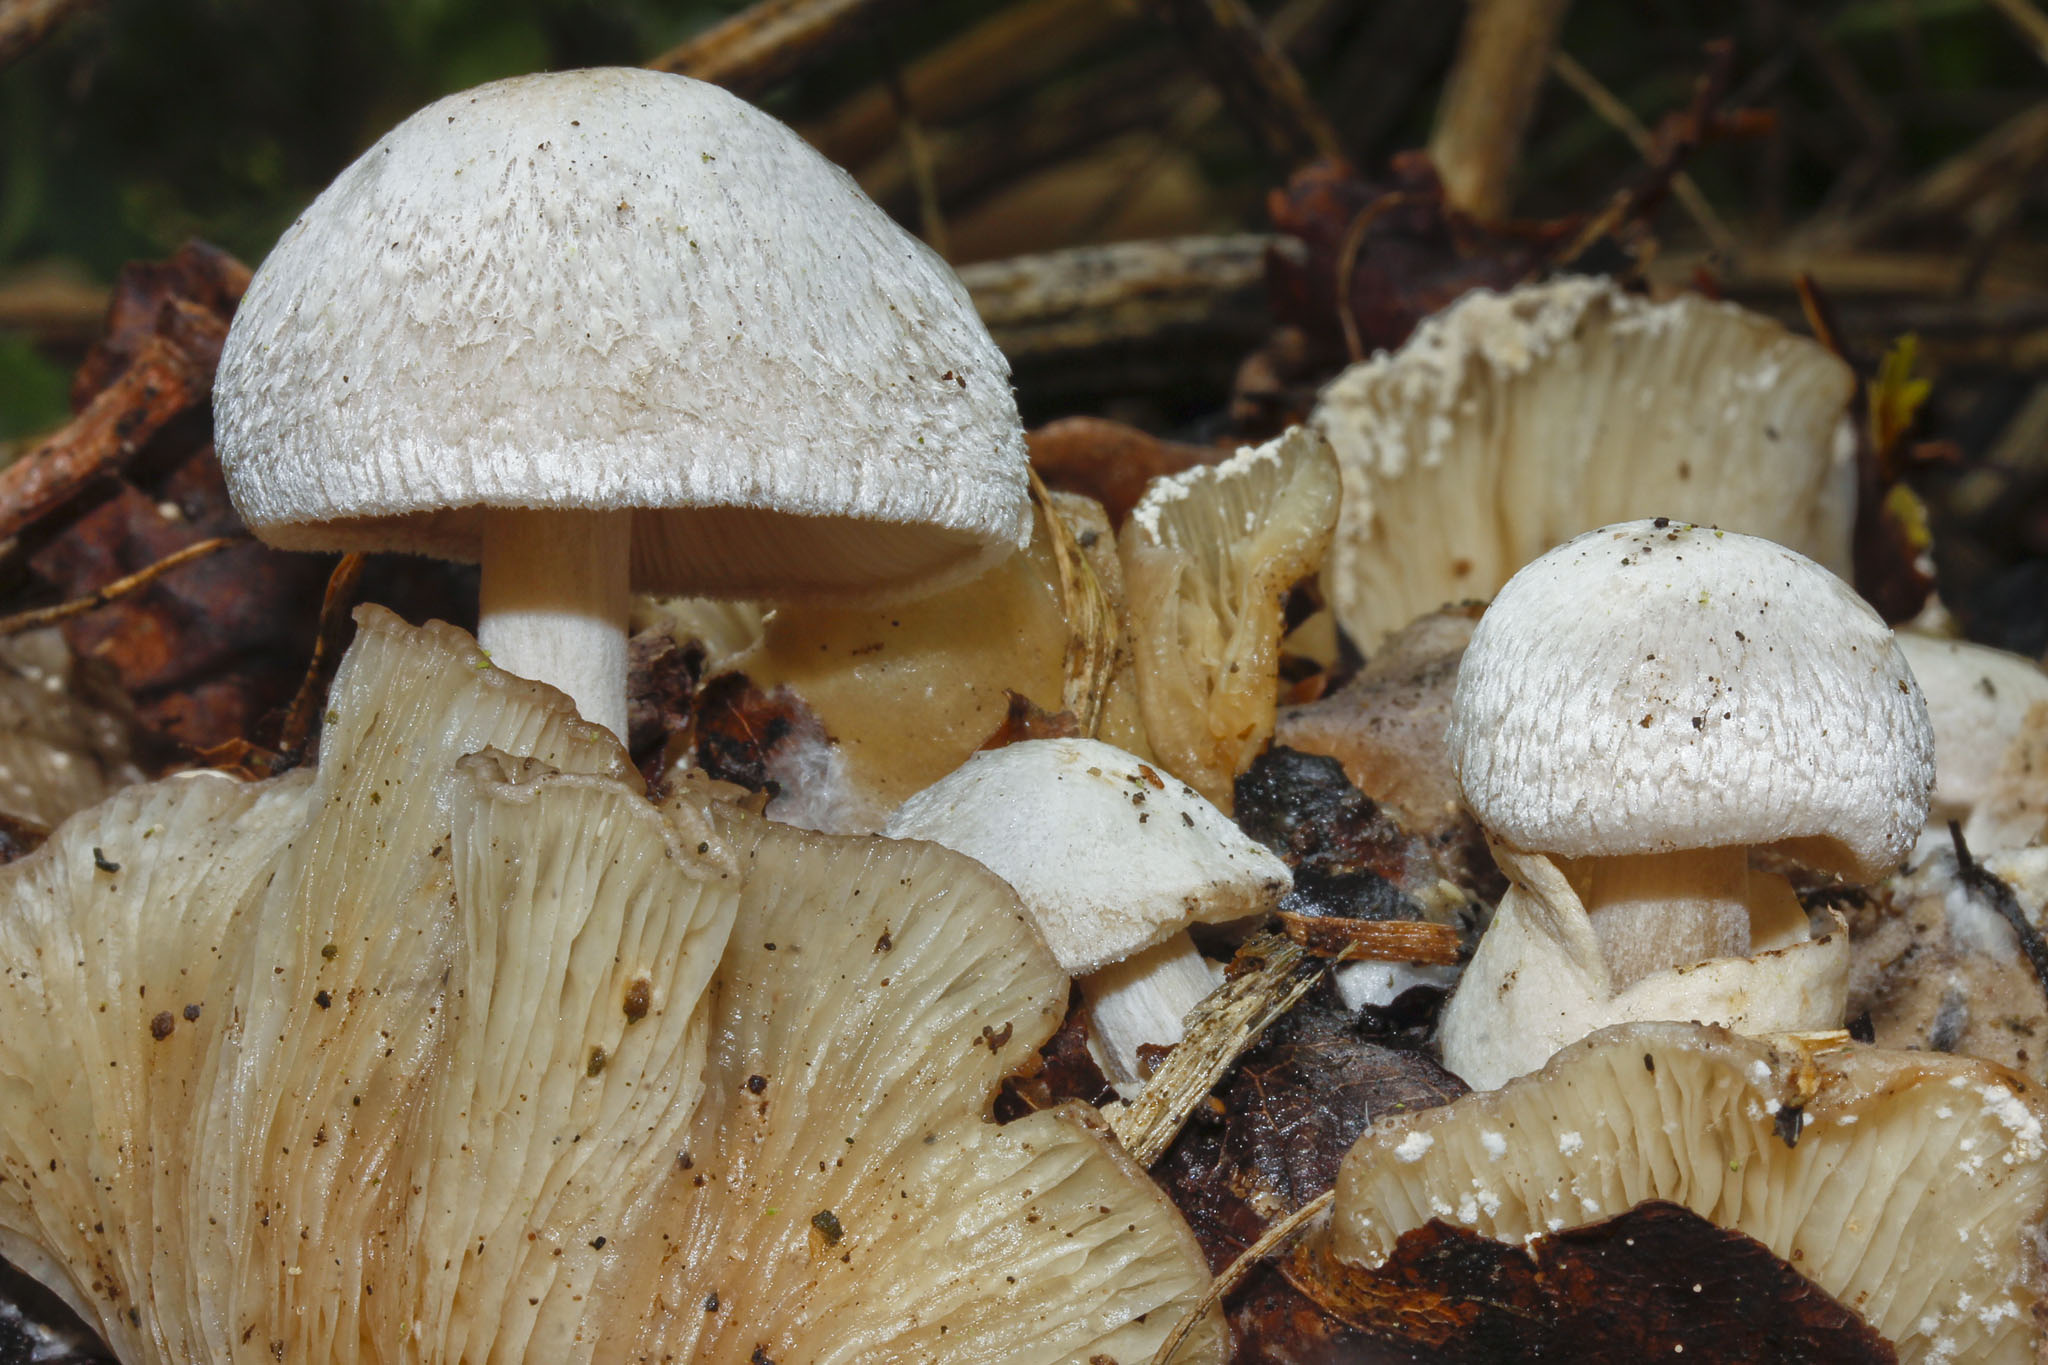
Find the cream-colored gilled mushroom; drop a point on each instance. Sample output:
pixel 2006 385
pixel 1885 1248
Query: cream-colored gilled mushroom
pixel 398 1058
pixel 1208 556
pixel 1511 422
pixel 1638 710
pixel 841 1194
pixel 612 326
pixel 1909 1185
pixel 1990 714
pixel 1113 861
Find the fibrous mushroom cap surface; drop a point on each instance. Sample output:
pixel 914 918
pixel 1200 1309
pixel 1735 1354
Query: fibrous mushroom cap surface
pixel 1647 688
pixel 1512 421
pixel 1909 1185
pixel 1109 854
pixel 621 289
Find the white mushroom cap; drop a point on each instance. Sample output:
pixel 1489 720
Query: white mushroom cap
pixel 612 289
pixel 1649 688
pixel 1108 854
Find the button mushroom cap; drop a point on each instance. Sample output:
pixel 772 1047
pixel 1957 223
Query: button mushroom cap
pixel 1112 859
pixel 634 296
pixel 1653 686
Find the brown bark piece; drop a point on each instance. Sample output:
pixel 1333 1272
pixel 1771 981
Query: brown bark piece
pixel 1108 461
pixel 162 384
pixel 1656 1283
pixel 1272 1134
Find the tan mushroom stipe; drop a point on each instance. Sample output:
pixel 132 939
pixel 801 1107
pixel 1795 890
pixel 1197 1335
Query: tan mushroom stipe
pixel 1511 422
pixel 601 326
pixel 398 1060
pixel 1209 555
pixel 1911 1186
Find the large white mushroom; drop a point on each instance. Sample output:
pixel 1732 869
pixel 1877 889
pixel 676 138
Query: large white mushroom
pixel 1638 711
pixel 611 326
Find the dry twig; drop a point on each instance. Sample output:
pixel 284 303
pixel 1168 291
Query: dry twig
pixel 334 608
pixel 2027 20
pixel 1012 50
pixel 1489 98
pixel 161 383
pixel 761 45
pixel 1255 77
pixel 1218 1031
pixel 1603 102
pixel 1270 1241
pixel 1089 296
pixel 120 587
pixel 1376 940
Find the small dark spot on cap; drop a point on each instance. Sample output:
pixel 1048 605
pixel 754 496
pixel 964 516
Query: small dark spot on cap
pixel 757 1083
pixel 161 1026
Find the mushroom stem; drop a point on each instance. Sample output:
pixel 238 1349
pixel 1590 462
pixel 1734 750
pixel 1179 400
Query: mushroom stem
pixel 1143 1000
pixel 1656 910
pixel 554 602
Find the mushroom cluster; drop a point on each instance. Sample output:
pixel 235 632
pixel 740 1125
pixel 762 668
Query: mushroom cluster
pixel 457 1047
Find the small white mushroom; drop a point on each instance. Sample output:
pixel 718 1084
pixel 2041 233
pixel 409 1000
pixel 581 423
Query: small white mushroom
pixel 1113 860
pixel 611 326
pixel 1639 709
